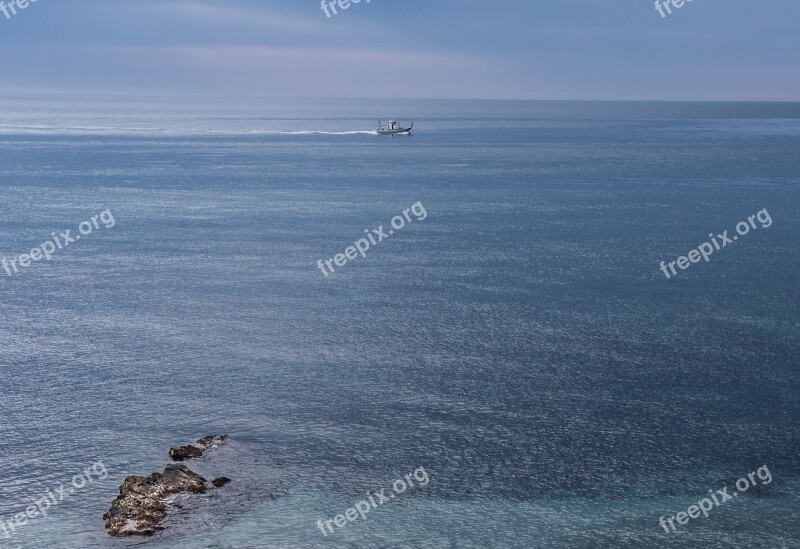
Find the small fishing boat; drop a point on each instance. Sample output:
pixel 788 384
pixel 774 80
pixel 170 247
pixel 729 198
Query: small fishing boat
pixel 393 128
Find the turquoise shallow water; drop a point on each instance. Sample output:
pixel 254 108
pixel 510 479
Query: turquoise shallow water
pixel 520 343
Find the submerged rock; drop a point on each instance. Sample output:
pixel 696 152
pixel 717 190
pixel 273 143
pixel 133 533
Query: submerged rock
pixel 142 501
pixel 219 482
pixel 211 442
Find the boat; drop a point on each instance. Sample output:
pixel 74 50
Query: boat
pixel 393 128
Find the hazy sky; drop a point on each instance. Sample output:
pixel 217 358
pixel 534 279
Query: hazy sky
pixel 525 49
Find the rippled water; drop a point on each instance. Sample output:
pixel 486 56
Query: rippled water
pixel 520 343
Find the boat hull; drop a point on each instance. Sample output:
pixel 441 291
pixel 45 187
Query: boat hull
pixel 394 132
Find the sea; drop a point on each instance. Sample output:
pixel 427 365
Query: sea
pixel 518 345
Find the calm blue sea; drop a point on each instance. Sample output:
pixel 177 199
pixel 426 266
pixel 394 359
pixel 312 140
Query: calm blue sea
pixel 520 343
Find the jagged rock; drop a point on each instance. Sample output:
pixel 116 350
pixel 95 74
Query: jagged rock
pixel 219 482
pixel 182 453
pixel 142 501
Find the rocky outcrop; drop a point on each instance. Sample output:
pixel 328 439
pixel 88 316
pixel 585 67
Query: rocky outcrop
pixel 182 453
pixel 143 501
pixel 210 442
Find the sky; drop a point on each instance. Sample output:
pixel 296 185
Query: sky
pixel 715 50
